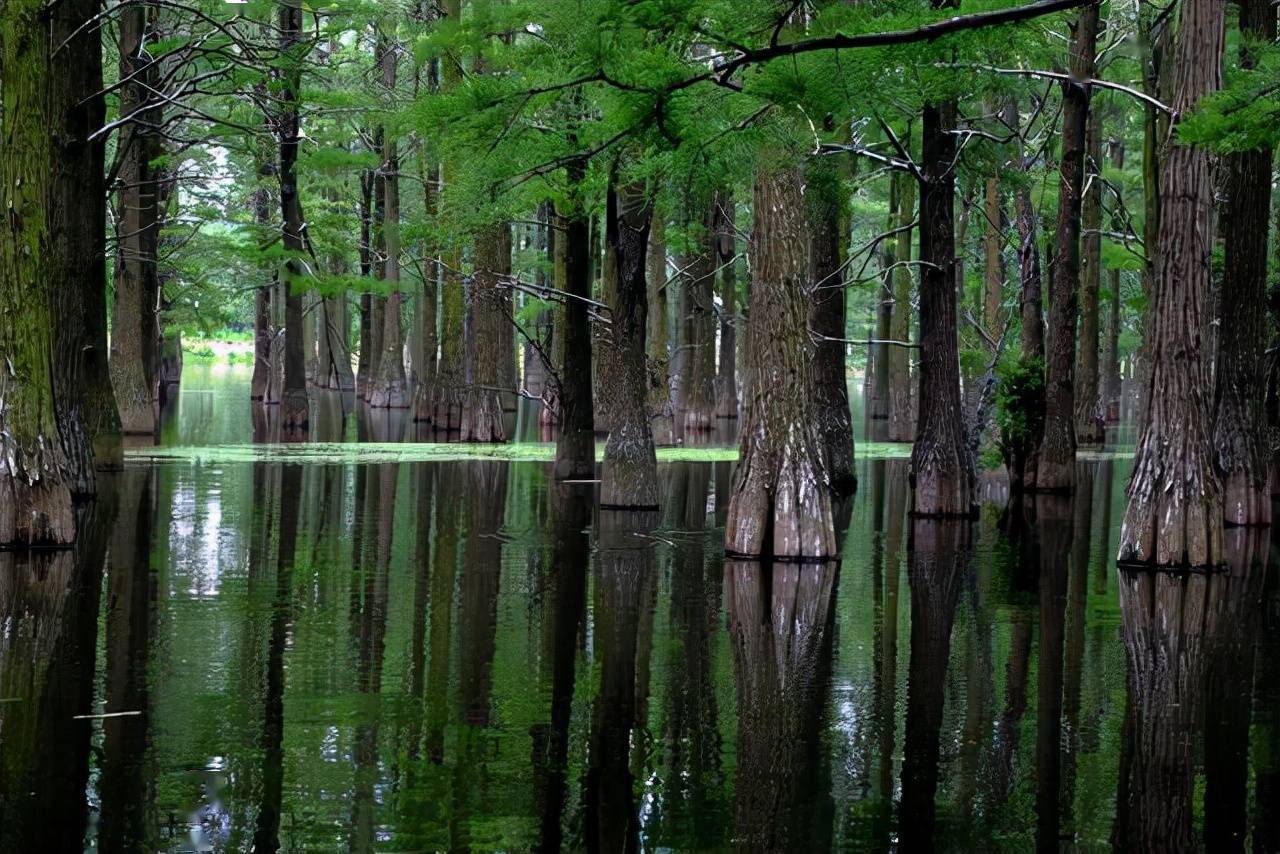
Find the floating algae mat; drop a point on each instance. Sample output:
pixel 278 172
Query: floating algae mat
pixel 397 452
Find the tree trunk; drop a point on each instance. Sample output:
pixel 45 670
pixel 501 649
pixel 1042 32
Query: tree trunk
pixel 575 447
pixel 901 408
pixel 1111 385
pixel 293 399
pixel 942 469
pixel 45 453
pixel 369 354
pixel 824 199
pixel 137 285
pixel 630 474
pixel 1239 414
pixel 1174 515
pixel 877 404
pixel 491 313
pixel 993 257
pixel 697 353
pixel 1058 450
pixel 725 252
pixel 424 395
pixel 780 504
pixel 657 335
pixel 1090 427
pixel 389 389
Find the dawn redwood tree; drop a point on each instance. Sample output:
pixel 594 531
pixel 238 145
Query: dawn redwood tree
pixel 1110 369
pixel 1057 464
pixel 1239 415
pixel 824 199
pixel 901 422
pixel 135 320
pixel 575 446
pixel 50 184
pixel 262 331
pixel 629 477
pixel 725 251
pixel 696 355
pixel 491 319
pixel 942 466
pixel 780 501
pixel 388 388
pixel 1089 424
pixel 1174 514
pixel 293 399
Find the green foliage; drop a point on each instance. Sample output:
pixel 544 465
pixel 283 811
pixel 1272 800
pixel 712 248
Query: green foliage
pixel 1020 395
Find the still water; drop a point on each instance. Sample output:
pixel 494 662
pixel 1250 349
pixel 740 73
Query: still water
pixel 322 653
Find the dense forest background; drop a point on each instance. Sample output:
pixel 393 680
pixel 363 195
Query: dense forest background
pixel 650 216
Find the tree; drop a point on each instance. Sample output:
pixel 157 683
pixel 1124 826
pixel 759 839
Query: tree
pixel 1174 514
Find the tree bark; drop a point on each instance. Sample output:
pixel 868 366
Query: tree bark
pixel 491 320
pixel 725 252
pixel 901 405
pixel 942 468
pixel 658 336
pixel 368 361
pixel 575 447
pixel 1089 425
pixel 293 399
pixel 389 389
pixel 824 200
pixel 1174 514
pixel 1111 385
pixel 993 256
pixel 1058 449
pixel 780 504
pixel 695 389
pixel 1239 414
pixel 629 477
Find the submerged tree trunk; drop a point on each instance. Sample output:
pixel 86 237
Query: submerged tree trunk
pixel 942 467
pixel 1058 450
pixel 780 505
pixel 825 208
pixel 1174 515
pixel 388 390
pixel 724 243
pixel 1089 424
pixel 293 399
pixel 490 309
pixel 1239 416
pixel 43 447
pixel 575 448
pixel 630 474
pixel 901 409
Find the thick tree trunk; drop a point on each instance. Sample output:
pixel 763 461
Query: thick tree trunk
pixel 575 447
pixel 333 326
pixel 43 447
pixel 1090 427
pixel 901 405
pixel 824 201
pixel 695 390
pixel 629 477
pixel 724 237
pixel 293 399
pixel 389 389
pixel 657 335
pixel 1239 416
pixel 491 321
pixel 1058 449
pixel 134 319
pixel 1174 515
pixel 780 504
pixel 942 467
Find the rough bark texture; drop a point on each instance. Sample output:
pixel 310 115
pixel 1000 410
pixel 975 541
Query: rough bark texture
pixel 134 326
pixel 1089 424
pixel 657 335
pixel 696 356
pixel 942 469
pixel 37 471
pixel 629 477
pixel 780 505
pixel 293 399
pixel 1058 449
pixel 575 447
pixel 389 389
pixel 1174 515
pixel 825 213
pixel 725 251
pixel 491 321
pixel 901 405
pixel 1239 416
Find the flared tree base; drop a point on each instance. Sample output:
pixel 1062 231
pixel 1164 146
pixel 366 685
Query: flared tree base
pixel 35 515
